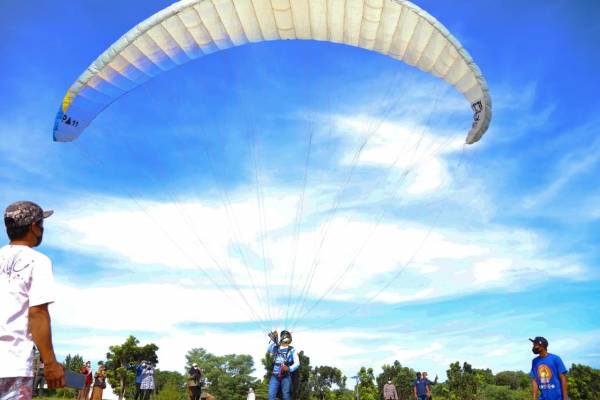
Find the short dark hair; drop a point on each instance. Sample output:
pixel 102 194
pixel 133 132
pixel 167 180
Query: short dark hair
pixel 17 232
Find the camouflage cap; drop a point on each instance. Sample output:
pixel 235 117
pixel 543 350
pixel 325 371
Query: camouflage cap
pixel 23 213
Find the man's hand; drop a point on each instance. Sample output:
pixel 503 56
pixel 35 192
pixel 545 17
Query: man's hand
pixel 534 387
pixel 54 374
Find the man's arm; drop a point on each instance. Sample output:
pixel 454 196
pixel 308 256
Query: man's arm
pixel 296 364
pixel 534 387
pixel 39 325
pixel 415 390
pixel 564 383
pixel 395 393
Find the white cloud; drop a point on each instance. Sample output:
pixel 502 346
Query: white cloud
pixel 150 307
pixel 396 260
pixel 390 297
pixel 491 270
pixel 569 169
pixel 402 146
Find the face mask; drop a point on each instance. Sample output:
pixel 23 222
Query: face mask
pixel 39 238
pixel 535 350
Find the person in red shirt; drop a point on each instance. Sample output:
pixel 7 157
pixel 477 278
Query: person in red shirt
pixel 84 394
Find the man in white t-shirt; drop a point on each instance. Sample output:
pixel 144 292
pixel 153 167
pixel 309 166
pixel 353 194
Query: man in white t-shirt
pixel 26 289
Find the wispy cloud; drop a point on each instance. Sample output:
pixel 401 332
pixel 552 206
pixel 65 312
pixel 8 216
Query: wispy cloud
pixel 572 165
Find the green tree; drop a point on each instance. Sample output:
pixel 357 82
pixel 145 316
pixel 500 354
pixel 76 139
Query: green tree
pixel 120 358
pixel 439 392
pixel 484 377
pixel 513 379
pixel 301 390
pixel 495 392
pixel 170 382
pixel 229 375
pixel 366 384
pixel 73 363
pixel 584 382
pixel 324 378
pixel 461 382
pixel 401 377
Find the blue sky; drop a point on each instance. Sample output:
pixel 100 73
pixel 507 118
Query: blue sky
pixel 472 252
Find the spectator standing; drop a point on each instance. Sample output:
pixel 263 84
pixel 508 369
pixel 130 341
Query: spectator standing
pixel 139 369
pixel 38 374
pixel 99 383
pixel 424 375
pixel 195 382
pixel 421 388
pixel 147 385
pixel 84 394
pixel 251 395
pixel 548 372
pixel 389 391
pixel 26 289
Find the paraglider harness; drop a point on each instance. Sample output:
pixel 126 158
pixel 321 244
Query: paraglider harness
pixel 286 356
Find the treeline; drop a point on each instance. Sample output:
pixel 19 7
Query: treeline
pixel 230 376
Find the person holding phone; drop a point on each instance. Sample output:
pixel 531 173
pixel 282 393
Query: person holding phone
pixel 147 385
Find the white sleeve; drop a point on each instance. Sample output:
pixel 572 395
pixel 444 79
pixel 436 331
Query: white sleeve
pixel 296 364
pixel 42 282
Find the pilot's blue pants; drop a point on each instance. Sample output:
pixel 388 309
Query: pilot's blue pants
pixel 286 385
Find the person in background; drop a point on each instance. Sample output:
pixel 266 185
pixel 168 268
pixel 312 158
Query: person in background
pixel 195 382
pixel 251 395
pixel 389 391
pixel 421 388
pixel 548 373
pixel 26 290
pixel 147 385
pixel 84 394
pixel 139 369
pixel 38 374
pixel 99 383
pixel 424 375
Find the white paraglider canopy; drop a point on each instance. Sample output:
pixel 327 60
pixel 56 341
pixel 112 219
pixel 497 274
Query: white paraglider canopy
pixel 190 29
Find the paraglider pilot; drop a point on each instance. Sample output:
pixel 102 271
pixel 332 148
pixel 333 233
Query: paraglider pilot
pixel 285 362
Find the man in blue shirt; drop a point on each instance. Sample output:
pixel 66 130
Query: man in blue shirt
pixel 285 362
pixel 421 388
pixel 138 378
pixel 548 373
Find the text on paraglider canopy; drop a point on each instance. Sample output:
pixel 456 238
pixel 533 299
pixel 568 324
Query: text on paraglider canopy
pixel 477 108
pixel 69 121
